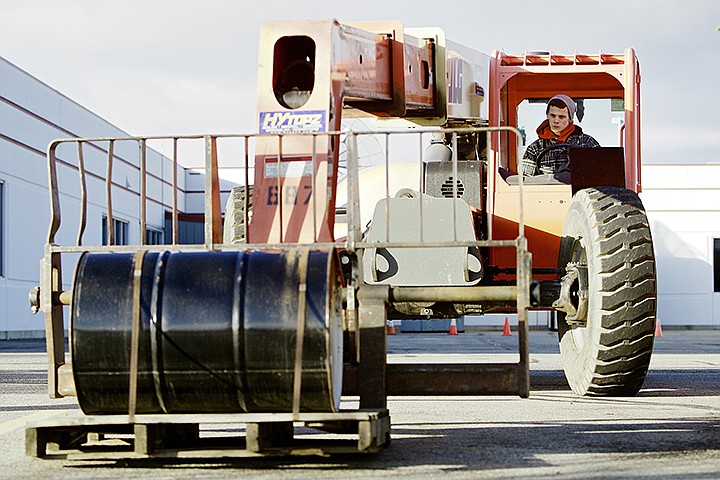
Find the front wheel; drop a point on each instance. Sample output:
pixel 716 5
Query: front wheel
pixel 606 340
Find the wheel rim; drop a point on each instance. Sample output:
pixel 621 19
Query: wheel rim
pixel 578 333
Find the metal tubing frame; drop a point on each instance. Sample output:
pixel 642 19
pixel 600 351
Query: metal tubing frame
pixel 303 256
pixel 363 310
pixel 213 220
pixel 136 325
pixel 108 193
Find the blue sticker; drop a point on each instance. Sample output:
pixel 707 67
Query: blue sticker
pixel 311 121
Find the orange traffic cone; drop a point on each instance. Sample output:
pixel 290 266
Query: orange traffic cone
pixel 658 328
pixel 506 328
pixel 390 327
pixel 453 327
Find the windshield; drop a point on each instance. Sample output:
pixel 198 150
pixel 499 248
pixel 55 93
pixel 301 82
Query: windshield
pixel 600 118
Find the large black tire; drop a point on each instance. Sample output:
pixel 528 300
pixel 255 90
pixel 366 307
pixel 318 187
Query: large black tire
pixel 234 226
pixel 606 228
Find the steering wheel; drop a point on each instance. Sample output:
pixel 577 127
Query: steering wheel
pixel 549 149
pixel 563 172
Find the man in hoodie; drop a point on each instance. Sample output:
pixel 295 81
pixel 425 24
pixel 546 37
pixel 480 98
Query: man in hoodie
pixel 540 158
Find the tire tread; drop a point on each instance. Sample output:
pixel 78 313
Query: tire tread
pixel 627 291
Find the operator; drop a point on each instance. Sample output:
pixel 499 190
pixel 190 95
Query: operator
pixel 540 156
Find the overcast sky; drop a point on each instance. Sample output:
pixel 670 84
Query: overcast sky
pixel 187 67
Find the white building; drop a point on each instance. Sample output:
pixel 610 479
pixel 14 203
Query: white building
pixel 683 202
pixel 31 115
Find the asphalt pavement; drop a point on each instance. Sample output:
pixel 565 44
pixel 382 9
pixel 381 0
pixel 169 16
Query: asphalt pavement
pixel 671 429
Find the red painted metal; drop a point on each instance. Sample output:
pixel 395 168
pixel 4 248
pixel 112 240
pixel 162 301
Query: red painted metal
pixel 381 70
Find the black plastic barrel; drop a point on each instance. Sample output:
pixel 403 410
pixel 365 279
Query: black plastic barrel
pixel 217 332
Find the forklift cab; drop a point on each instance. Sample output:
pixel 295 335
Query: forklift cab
pixel 606 88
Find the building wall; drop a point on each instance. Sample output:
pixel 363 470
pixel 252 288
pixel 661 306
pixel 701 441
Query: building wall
pixel 683 205
pixel 31 116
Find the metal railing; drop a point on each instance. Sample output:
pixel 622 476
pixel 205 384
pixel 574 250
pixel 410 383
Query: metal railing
pixel 212 189
pixel 152 184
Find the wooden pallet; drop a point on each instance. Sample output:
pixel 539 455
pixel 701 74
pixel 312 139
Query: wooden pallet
pixel 102 437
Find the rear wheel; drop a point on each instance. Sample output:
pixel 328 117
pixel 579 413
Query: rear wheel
pixel 606 340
